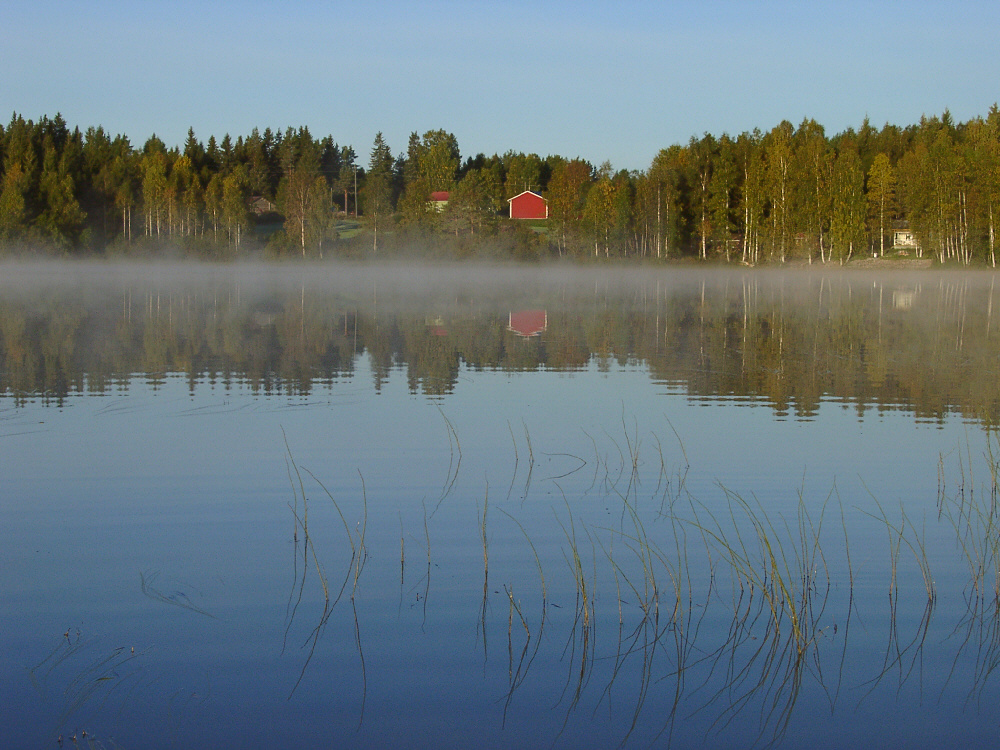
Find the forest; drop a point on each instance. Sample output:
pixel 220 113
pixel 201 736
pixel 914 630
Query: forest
pixel 791 194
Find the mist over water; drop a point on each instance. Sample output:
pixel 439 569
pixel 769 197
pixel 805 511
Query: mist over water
pixel 923 341
pixel 441 505
pixel 421 281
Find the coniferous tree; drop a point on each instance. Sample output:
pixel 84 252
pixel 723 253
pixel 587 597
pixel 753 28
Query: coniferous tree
pixel 347 180
pixel 522 172
pixel 61 218
pixel 378 185
pixel 13 213
pixel 720 195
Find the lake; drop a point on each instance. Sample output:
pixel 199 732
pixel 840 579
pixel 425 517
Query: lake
pixel 452 506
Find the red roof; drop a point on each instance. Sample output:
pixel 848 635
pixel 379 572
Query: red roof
pixel 440 195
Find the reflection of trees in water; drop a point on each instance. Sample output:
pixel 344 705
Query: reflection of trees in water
pixel 927 343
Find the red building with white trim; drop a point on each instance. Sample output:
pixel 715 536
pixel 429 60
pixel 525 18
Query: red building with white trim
pixel 528 205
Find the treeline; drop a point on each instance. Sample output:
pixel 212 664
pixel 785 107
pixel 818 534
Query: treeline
pixel 792 193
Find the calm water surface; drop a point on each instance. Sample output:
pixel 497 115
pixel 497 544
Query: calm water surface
pixel 438 507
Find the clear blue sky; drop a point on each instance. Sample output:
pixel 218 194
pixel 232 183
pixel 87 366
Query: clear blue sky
pixel 600 80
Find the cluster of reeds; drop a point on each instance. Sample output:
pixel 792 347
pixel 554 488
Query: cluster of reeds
pixel 88 675
pixel 779 584
pixel 972 511
pixel 974 516
pixel 779 575
pixel 670 568
pixel 310 559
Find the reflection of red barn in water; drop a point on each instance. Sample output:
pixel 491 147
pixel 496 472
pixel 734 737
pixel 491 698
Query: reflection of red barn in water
pixel 528 323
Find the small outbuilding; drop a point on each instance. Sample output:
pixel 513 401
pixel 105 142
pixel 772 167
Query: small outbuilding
pixel 903 238
pixel 439 199
pixel 528 205
pixel 259 205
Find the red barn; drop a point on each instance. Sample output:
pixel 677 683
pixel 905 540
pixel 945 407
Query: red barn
pixel 528 323
pixel 528 205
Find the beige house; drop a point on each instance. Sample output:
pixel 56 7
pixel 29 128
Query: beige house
pixel 439 199
pixel 903 239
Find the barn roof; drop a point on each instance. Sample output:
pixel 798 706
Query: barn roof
pixel 526 192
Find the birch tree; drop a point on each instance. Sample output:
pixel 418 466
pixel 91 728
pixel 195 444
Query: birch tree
pixel 720 190
pixel 566 195
pixel 599 210
pixel 298 191
pixel 779 164
pixel 881 196
pixel 847 223
pixel 750 156
pixel 664 175
pixel 813 163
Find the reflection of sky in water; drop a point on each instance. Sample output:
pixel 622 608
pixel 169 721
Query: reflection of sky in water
pixel 161 522
pixel 222 439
